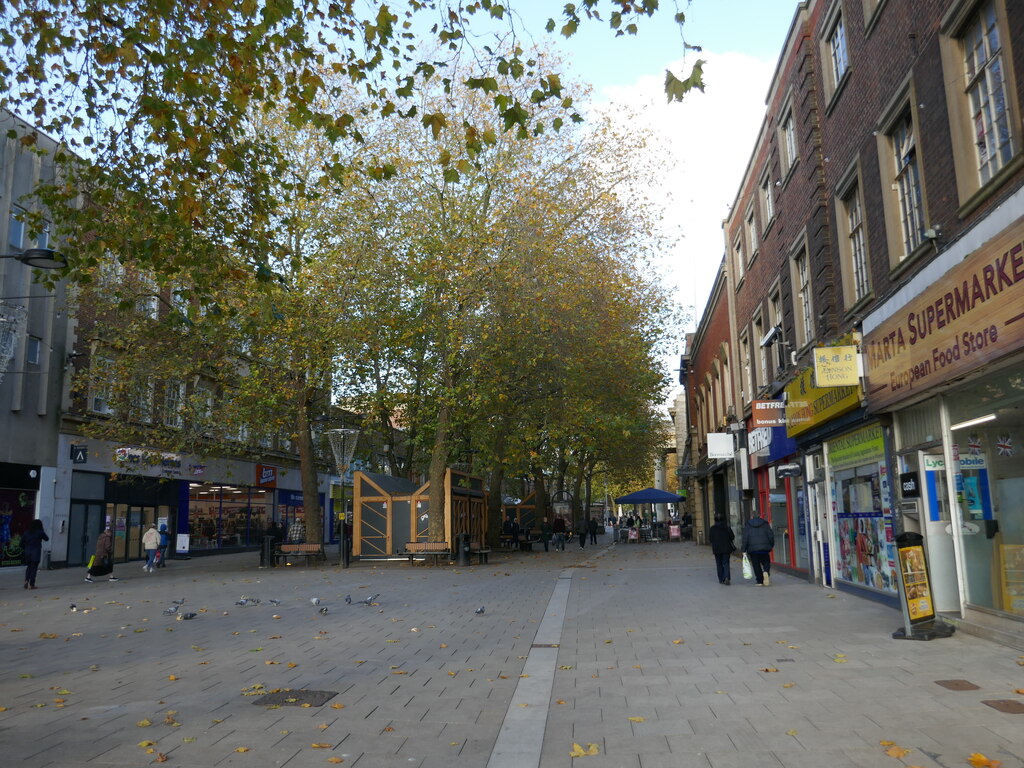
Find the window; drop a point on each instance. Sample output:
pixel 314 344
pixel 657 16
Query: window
pixel 751 234
pixel 787 142
pixel 33 348
pixel 983 110
pixel 853 246
pixel 738 259
pixel 140 402
pixel 906 185
pixel 147 302
pixel 837 50
pixel 16 228
pixel 986 92
pixel 174 396
pixel 100 385
pixel 748 374
pixel 767 200
pixel 778 342
pixel 761 374
pixel 804 307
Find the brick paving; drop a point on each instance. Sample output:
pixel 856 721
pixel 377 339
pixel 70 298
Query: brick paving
pixel 656 665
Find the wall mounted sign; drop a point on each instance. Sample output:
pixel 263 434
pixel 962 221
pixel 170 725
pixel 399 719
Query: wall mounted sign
pixel 966 319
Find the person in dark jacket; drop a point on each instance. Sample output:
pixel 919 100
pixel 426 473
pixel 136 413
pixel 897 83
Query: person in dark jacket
pixel 758 542
pixel 592 530
pixel 722 545
pixel 32 544
pixel 165 544
pixel 581 531
pixel 104 562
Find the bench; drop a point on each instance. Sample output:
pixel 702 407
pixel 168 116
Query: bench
pixel 290 552
pixel 482 552
pixel 433 549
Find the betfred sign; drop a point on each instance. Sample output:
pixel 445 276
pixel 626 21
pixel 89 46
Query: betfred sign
pixel 768 413
pixel 266 476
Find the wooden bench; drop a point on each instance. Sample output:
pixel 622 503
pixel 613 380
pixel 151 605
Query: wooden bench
pixel 433 549
pixel 289 552
pixel 482 552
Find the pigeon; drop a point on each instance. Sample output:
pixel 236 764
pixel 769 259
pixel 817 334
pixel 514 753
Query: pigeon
pixel 348 599
pixel 179 602
pixel 186 616
pixel 479 610
pixel 323 611
pixel 315 600
pixel 170 611
pixel 243 601
pixel 254 601
pixel 274 602
pixel 369 600
pixel 73 607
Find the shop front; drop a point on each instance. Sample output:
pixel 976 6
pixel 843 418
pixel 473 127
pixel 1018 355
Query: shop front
pixel 779 494
pixel 949 365
pixel 19 488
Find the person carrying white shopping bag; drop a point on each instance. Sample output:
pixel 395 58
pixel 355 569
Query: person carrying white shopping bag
pixel 758 542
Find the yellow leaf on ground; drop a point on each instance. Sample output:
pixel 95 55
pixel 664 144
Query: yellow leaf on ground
pixel 886 743
pixel 592 749
pixel 978 760
pixel 895 751
pixel 143 723
pixel 677 641
pixel 241 749
pixel 637 719
pixel 292 665
pixel 335 760
pixel 560 701
pixel 337 706
pixel 145 744
pixel 172 677
pixel 791 732
pixel 160 758
pixel 319 745
pixel 769 669
pixel 1019 690
pixel 577 751
pixel 788 685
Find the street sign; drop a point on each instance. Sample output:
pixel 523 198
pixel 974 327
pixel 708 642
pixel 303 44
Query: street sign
pixel 79 454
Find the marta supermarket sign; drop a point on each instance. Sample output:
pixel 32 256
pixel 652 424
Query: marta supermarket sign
pixel 974 314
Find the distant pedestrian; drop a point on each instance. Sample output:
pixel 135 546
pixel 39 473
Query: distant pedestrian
pixel 297 532
pixel 722 545
pixel 545 533
pixel 103 562
pixel 165 545
pixel 150 543
pixel 758 543
pixel 592 530
pixel 276 531
pixel 581 531
pixel 32 545
pixel 558 532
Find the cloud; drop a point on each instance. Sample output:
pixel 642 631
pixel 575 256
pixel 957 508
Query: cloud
pixel 707 141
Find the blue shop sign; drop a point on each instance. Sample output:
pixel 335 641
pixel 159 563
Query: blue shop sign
pixel 769 444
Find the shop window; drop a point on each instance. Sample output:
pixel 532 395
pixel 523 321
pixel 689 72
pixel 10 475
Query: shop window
pixel 862 529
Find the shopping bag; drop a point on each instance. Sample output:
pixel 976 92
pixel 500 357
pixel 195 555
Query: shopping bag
pixel 92 559
pixel 102 568
pixel 748 569
pixel 158 557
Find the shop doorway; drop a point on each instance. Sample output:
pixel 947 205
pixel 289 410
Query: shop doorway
pixel 129 522
pixel 938 534
pixel 84 525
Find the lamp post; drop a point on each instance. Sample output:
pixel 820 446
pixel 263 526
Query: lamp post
pixel 343 444
pixel 38 258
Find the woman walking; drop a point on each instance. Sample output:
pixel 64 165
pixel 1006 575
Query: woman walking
pixel 32 544
pixel 150 543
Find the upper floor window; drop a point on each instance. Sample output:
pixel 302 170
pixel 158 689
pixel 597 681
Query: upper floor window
pixel 33 350
pixel 986 91
pixel 101 385
pixel 738 259
pixel 837 50
pixel 767 200
pixel 761 374
pixel 853 245
pixel 907 184
pixel 174 400
pixel 787 142
pixel 804 313
pixel 748 378
pixel 16 228
pixel 751 233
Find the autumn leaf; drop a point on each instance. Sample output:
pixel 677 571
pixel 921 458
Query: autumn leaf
pixel 791 732
pixel 637 719
pixel 144 723
pixel 241 749
pixel 788 685
pixel 145 744
pixel 677 641
pixel 978 760
pixel 292 665
pixel 337 706
pixel 895 751
pixel 335 760
pixel 319 745
pixel 769 669
pixel 160 758
pixel 578 751
pixel 560 701
pixel 886 743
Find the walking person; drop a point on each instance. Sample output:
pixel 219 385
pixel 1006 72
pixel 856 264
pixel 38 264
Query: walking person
pixel 545 534
pixel 722 545
pixel 32 544
pixel 558 532
pixel 165 544
pixel 103 563
pixel 592 530
pixel 758 542
pixel 150 543
pixel 581 530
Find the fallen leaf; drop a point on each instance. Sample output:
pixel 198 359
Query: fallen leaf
pixel 271 662
pixel 886 743
pixel 144 723
pixel 241 749
pixel 1019 690
pixel 560 701
pixel 337 706
pixel 443 645
pixel 189 739
pixel 399 672
pixel 677 641
pixel 895 751
pixel 160 758
pixel 637 719
pixel 172 677
pixel 388 729
pixel 292 665
pixel 769 669
pixel 791 732
pixel 319 745
pixel 978 760
pixel 47 636
pixel 335 760
pixel 145 744
pixel 788 685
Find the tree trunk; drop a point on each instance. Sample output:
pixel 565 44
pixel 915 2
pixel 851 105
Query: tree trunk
pixel 542 506
pixel 307 462
pixel 438 465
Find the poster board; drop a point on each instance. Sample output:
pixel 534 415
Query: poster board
pixel 916 587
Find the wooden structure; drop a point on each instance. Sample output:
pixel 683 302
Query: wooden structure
pixel 524 513
pixel 390 512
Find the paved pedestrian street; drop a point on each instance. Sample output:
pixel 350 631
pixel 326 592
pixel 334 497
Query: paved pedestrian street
pixel 630 656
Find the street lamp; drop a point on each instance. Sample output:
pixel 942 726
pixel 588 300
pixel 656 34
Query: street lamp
pixel 343 444
pixel 39 258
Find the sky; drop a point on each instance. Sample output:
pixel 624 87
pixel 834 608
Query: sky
pixel 711 135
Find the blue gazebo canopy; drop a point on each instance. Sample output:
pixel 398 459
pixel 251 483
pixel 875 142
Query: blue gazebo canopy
pixel 649 496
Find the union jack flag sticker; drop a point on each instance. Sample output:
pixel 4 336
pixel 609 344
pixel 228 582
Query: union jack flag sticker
pixel 1005 445
pixel 974 445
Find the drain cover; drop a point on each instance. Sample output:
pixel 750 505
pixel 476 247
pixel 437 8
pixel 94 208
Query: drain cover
pixel 1009 706
pixel 295 698
pixel 957 685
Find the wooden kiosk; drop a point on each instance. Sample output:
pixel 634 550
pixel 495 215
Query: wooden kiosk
pixel 390 512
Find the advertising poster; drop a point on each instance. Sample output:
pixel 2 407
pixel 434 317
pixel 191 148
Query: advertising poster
pixel 915 584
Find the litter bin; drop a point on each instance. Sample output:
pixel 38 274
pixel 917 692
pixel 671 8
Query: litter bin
pixel 267 552
pixel 462 549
